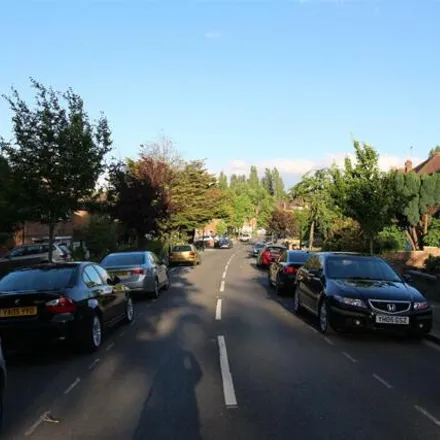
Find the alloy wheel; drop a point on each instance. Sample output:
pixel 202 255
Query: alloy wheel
pixel 323 317
pixel 129 310
pixel 96 331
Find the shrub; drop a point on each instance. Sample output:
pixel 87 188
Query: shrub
pixel 390 239
pixel 432 264
pixel 347 237
pixel 432 238
pixel 100 235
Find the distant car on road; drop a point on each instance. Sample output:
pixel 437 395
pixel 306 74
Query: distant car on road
pixel 257 248
pixel 350 291
pixel 282 272
pixel 225 243
pixel 269 254
pixel 245 237
pixel 185 254
pixel 73 301
pixel 142 272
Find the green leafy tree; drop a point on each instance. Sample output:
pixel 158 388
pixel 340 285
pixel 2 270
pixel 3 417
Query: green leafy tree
pixel 57 153
pixel 364 193
pixel 434 151
pixel 100 235
pixel 281 224
pixel 314 191
pixel 253 180
pixel 267 182
pixel 222 227
pixel 278 185
pixel 222 181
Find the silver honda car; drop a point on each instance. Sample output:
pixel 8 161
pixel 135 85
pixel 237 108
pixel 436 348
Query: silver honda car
pixel 141 272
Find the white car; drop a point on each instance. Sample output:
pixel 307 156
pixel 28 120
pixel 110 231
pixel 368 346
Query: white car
pixel 245 238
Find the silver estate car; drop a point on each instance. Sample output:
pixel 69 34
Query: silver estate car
pixel 141 272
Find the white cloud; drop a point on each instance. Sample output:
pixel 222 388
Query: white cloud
pixel 213 34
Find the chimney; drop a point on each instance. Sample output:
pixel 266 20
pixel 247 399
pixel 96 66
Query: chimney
pixel 408 166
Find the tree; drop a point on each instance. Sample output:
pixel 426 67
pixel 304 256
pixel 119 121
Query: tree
pixel 281 224
pixel 57 153
pixel 163 150
pixel 434 151
pixel 314 191
pixel 222 181
pixel 364 193
pixel 100 234
pixel 267 182
pixel 278 185
pixel 221 227
pixel 253 180
pixel 139 195
pixel 420 200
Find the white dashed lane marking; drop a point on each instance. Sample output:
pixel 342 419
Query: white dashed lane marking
pixel 228 383
pixel 218 310
pixel 349 357
pixel 427 414
pixel 94 364
pixel 72 386
pixel 382 381
pixel 222 286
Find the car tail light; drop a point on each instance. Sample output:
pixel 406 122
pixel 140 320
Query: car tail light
pixel 138 271
pixel 64 256
pixel 192 254
pixel 61 305
pixel 290 270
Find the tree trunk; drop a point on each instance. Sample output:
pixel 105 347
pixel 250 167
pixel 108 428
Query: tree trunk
pixel 311 235
pixel 51 232
pixel 425 223
pixel 411 240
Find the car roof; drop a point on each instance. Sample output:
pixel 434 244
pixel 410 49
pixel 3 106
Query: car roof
pixel 127 253
pixel 73 264
pixel 349 254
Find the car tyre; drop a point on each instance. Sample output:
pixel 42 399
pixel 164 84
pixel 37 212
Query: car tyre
pixel 129 311
pixel 167 283
pixel 92 338
pixel 297 307
pixel 279 290
pixel 155 293
pixel 323 316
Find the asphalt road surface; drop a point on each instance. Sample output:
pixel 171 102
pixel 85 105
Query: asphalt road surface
pixel 192 367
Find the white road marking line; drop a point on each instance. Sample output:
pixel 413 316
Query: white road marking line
pixel 349 357
pixel 228 383
pixel 94 364
pixel 427 414
pixel 71 387
pixel 382 381
pixel 109 347
pixel 122 333
pixel 218 310
pixel 329 341
pixel 222 286
pixel 224 274
pixel 32 429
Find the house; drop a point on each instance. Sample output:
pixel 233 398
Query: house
pixel 428 166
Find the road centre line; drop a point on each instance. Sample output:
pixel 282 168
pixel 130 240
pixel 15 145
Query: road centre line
pixel 427 414
pixel 110 346
pixel 40 420
pixel 382 381
pixel 328 341
pixel 349 357
pixel 218 310
pixel 228 383
pixel 224 274
pixel 94 364
pixel 72 386
pixel 222 286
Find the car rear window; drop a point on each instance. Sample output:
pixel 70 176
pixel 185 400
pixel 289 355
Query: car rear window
pixel 123 259
pixel 182 248
pixel 276 249
pixel 298 257
pixel 45 278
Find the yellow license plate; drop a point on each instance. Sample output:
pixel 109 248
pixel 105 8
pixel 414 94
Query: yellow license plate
pixel 122 274
pixel 18 311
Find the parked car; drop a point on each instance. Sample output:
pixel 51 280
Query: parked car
pixel 31 254
pixel 282 272
pixel 352 291
pixel 185 254
pixel 225 243
pixel 142 272
pixel 73 301
pixel 268 254
pixel 245 237
pixel 257 248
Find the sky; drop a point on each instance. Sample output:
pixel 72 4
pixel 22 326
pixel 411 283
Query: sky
pixel 284 83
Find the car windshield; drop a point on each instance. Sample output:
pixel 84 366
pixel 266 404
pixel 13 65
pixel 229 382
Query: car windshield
pixel 183 248
pixel 259 246
pixel 45 278
pixel 298 257
pixel 133 259
pixel 360 268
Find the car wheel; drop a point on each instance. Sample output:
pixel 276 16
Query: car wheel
pixel 297 308
pixel 129 311
pixel 269 281
pixel 93 335
pixel 279 290
pixel 156 289
pixel 167 283
pixel 323 316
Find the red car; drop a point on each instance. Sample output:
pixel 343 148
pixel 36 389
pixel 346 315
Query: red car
pixel 269 254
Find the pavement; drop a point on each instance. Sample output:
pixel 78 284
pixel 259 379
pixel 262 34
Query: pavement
pixel 434 336
pixel 219 357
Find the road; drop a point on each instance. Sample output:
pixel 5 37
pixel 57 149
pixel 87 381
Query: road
pixel 245 368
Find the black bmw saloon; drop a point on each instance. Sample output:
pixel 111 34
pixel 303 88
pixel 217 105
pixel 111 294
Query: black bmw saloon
pixel 354 291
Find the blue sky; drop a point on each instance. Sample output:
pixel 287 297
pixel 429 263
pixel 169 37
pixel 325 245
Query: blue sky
pixel 238 82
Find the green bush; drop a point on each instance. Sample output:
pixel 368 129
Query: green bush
pixel 432 238
pixel 432 264
pixel 346 238
pixel 100 235
pixel 390 239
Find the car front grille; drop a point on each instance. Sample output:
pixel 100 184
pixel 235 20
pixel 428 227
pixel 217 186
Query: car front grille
pixel 390 307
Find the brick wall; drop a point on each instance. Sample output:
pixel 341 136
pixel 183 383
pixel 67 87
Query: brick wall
pixel 414 259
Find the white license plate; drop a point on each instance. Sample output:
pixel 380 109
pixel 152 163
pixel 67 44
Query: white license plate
pixel 385 319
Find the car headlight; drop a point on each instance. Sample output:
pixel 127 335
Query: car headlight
pixel 421 305
pixel 354 302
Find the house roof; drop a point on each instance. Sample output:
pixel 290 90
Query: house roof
pixel 430 165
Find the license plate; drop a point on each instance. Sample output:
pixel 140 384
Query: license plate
pixel 122 274
pixel 385 319
pixel 18 311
